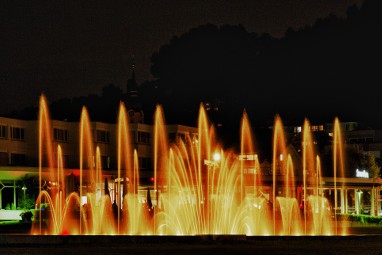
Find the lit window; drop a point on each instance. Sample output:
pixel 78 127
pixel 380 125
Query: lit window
pixel 314 128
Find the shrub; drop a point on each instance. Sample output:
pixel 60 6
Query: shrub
pixel 26 216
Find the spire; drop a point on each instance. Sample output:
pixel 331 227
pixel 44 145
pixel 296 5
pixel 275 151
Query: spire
pixel 133 69
pixel 132 101
pixel 132 86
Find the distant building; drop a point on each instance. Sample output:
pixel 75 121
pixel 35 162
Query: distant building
pixel 19 156
pixel 367 141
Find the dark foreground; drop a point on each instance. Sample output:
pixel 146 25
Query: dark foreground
pixel 195 245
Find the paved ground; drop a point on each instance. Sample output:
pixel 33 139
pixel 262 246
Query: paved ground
pixel 363 240
pixel 195 245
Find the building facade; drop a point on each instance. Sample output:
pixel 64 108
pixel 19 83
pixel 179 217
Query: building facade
pixel 19 150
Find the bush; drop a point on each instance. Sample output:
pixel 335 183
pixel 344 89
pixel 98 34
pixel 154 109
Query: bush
pixel 26 216
pixel 27 202
pixel 360 218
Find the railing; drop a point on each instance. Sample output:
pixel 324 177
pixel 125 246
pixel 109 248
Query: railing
pixel 10 214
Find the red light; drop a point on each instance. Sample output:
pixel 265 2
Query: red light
pixel 65 232
pixel 152 179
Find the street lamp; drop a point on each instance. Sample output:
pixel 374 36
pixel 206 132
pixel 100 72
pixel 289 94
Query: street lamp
pixel 24 188
pixel 216 157
pixel 359 194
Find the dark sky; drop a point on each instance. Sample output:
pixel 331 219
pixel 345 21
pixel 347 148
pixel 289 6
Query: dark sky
pixel 74 48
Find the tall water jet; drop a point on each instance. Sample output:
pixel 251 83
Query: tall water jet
pixel 86 157
pixel 204 155
pixel 160 143
pixel 195 192
pixel 125 156
pixel 308 168
pixel 278 162
pixel 319 218
pixel 254 199
pixel 45 146
pixel 247 150
pixel 338 167
pixel 134 219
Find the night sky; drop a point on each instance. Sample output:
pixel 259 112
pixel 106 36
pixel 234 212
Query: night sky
pixel 74 48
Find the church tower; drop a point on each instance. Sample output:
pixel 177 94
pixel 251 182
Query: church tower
pixel 133 102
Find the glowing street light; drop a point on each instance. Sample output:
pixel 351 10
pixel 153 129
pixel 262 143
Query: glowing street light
pixel 216 157
pixel 24 188
pixel 215 160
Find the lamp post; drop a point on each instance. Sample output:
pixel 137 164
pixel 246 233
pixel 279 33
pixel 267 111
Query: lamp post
pixel 24 188
pixel 359 195
pixel 211 165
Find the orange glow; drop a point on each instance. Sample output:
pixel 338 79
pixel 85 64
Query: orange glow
pixel 192 193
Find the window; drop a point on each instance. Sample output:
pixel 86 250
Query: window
pixel 314 128
pixel 297 129
pixel 182 137
pixel 171 137
pixel 17 133
pixel 3 131
pixel 60 134
pixel 105 161
pixel 143 137
pixel 3 158
pixel 369 140
pixel 132 137
pixel 65 160
pixel 18 159
pixel 103 136
pixel 144 163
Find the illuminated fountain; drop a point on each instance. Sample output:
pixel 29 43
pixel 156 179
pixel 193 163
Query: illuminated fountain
pixel 200 188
